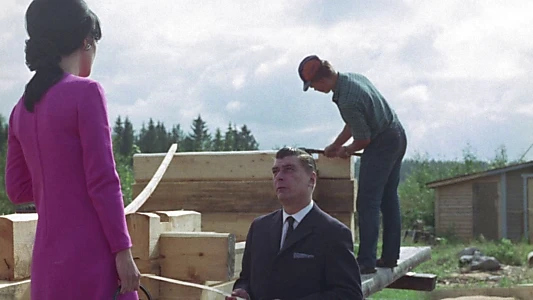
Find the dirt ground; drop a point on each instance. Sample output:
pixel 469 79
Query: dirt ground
pixel 507 276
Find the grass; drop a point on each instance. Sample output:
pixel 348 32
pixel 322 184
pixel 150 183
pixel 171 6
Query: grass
pixel 444 264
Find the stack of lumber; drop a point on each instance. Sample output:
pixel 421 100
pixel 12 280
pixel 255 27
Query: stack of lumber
pixel 184 260
pixel 178 259
pixel 230 189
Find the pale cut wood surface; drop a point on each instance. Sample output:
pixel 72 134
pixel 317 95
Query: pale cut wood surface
pixel 144 230
pixel 332 195
pixel 17 237
pixel 234 165
pixel 197 256
pixel 180 220
pixel 154 180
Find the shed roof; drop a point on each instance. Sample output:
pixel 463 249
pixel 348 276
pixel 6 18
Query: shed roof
pixel 466 177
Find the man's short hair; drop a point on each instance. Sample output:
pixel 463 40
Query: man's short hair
pixel 306 159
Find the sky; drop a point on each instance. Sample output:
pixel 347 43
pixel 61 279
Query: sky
pixel 457 73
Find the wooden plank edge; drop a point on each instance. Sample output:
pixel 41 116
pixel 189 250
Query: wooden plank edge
pixel 189 284
pixel 376 282
pixel 148 190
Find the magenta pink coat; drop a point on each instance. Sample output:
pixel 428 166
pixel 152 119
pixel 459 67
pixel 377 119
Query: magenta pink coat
pixel 60 157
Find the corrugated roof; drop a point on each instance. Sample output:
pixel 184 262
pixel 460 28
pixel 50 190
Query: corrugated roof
pixel 466 177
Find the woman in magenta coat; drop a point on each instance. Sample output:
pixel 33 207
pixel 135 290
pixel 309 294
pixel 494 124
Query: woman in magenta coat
pixel 60 157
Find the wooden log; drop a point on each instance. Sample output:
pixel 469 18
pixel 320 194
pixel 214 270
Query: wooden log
pixel 197 256
pixel 232 165
pixel 17 236
pixel 242 196
pixel 155 178
pixel 180 220
pixel 144 229
pixel 15 290
pixel 410 257
pixel 415 282
pixel 239 223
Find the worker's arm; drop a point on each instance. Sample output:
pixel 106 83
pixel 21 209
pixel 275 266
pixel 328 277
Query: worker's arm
pixel 343 137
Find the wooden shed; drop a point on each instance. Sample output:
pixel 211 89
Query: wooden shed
pixel 496 203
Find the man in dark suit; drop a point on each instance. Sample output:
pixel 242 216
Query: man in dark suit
pixel 298 252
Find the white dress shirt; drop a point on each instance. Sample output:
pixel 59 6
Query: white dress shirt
pixel 298 217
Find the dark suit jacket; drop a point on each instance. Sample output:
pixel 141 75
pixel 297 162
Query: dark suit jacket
pixel 316 262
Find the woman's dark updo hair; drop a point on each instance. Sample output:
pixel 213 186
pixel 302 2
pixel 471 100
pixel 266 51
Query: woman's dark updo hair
pixel 56 28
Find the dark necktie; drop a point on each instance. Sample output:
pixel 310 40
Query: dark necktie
pixel 290 228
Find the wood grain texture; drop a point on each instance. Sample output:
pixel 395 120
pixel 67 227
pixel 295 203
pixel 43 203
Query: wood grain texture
pixel 197 256
pixel 242 196
pixel 235 165
pixel 17 237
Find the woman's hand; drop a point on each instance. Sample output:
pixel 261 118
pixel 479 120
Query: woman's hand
pixel 128 274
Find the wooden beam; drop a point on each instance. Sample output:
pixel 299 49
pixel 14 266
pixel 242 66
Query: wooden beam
pixel 144 229
pixel 242 196
pixel 229 165
pixel 17 236
pixel 197 256
pixel 415 282
pixel 15 290
pixel 239 223
pixel 154 181
pixel 173 289
pixel 239 253
pixel 180 220
pixel 410 257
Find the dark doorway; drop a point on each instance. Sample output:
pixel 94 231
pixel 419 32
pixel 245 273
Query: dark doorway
pixel 485 210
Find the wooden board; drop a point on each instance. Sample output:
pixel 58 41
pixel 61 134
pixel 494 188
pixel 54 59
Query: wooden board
pixel 17 236
pixel 172 289
pixel 15 290
pixel 197 256
pixel 239 223
pixel 234 165
pixel 152 183
pixel 180 220
pixel 410 257
pixel 239 253
pixel 242 196
pixel 144 229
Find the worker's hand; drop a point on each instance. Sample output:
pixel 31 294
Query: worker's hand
pixel 344 152
pixel 239 293
pixel 128 274
pixel 331 150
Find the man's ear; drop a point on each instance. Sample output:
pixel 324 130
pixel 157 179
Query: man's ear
pixel 312 180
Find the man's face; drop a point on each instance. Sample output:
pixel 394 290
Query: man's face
pixel 321 85
pixel 292 182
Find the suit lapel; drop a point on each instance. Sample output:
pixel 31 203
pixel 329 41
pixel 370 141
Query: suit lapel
pixel 275 232
pixel 303 229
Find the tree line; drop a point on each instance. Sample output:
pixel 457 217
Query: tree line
pixel 153 137
pixel 417 201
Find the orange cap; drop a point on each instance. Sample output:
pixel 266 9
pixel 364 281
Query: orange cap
pixel 308 69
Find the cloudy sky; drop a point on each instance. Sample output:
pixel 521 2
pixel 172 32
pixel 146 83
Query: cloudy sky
pixel 457 73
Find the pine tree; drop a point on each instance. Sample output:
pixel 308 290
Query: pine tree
pixel 218 141
pixel 229 138
pixel 126 144
pixel 247 139
pixel 200 138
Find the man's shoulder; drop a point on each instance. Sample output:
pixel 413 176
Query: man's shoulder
pixel 330 223
pixel 267 218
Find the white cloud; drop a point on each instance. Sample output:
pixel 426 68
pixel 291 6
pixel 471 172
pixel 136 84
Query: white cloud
pixel 454 71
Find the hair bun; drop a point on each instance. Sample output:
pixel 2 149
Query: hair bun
pixel 41 54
